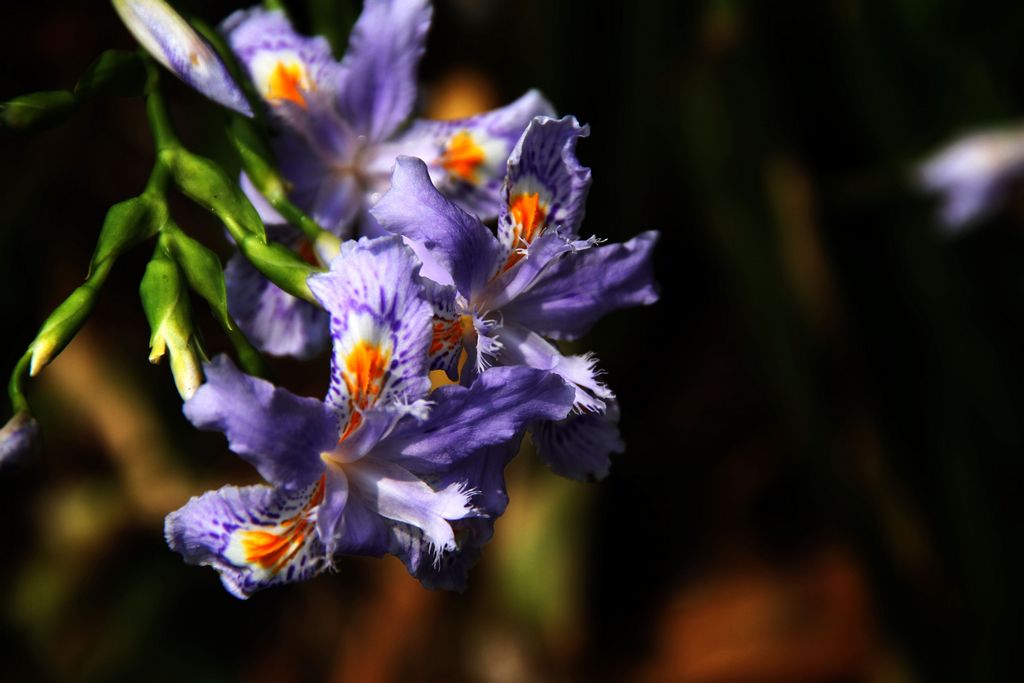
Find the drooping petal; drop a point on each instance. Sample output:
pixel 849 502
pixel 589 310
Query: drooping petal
pixel 274 321
pixel 577 290
pixel 546 186
pixel 580 446
pixel 381 329
pixel 459 243
pixel 523 347
pixel 280 434
pixel 396 494
pixel 255 537
pixel 176 45
pixel 296 75
pixel 467 157
pixel 377 85
pixel 463 421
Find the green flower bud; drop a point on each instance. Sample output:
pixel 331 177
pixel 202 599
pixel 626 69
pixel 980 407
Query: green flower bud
pixel 115 72
pixel 65 321
pixel 128 224
pixel 282 266
pixel 202 269
pixel 207 184
pixel 37 111
pixel 165 301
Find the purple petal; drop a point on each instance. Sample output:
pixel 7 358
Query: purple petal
pixel 381 329
pixel 280 434
pixel 491 412
pixel 467 157
pixel 523 347
pixel 377 85
pixel 396 494
pixel 176 45
pixel 523 273
pixel 256 536
pixel 546 186
pixel 485 472
pixel 578 289
pixel 441 231
pixel 274 321
pixel 579 447
pixel 19 440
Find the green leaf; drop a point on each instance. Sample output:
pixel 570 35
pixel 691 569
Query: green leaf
pixel 127 224
pixel 36 111
pixel 115 72
pixel 203 270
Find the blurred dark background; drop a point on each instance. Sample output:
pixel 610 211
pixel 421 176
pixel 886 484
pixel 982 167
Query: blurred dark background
pixel 823 412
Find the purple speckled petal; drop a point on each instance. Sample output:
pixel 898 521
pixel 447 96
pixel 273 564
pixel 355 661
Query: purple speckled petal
pixel 274 321
pixel 467 157
pixel 255 537
pixel 580 446
pixel 492 411
pixel 396 494
pixel 439 230
pixel 176 45
pixel 448 332
pixel 381 329
pixel 279 433
pixel 377 84
pixel 580 288
pixel 520 346
pixel 546 186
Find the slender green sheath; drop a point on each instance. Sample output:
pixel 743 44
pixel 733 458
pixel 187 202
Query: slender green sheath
pixel 257 162
pixel 16 388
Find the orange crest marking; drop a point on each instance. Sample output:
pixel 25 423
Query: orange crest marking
pixel 287 81
pixel 365 367
pixel 273 551
pixel 463 156
pixel 529 217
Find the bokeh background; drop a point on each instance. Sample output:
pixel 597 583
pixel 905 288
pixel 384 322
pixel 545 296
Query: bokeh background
pixel 824 412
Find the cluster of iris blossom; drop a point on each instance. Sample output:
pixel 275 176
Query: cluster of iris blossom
pixel 385 463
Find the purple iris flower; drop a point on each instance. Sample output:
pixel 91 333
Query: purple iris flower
pixel 375 467
pixel 338 129
pixel 504 299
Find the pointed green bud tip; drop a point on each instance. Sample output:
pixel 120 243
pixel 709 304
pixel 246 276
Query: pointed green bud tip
pixel 186 369
pixel 176 45
pixel 19 440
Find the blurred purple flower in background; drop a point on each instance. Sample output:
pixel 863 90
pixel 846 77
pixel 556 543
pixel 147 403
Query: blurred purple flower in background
pixel 975 175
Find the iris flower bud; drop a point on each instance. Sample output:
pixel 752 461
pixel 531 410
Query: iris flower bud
pixel 176 45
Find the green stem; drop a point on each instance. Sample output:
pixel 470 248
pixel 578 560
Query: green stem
pixel 248 356
pixel 16 385
pixel 159 120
